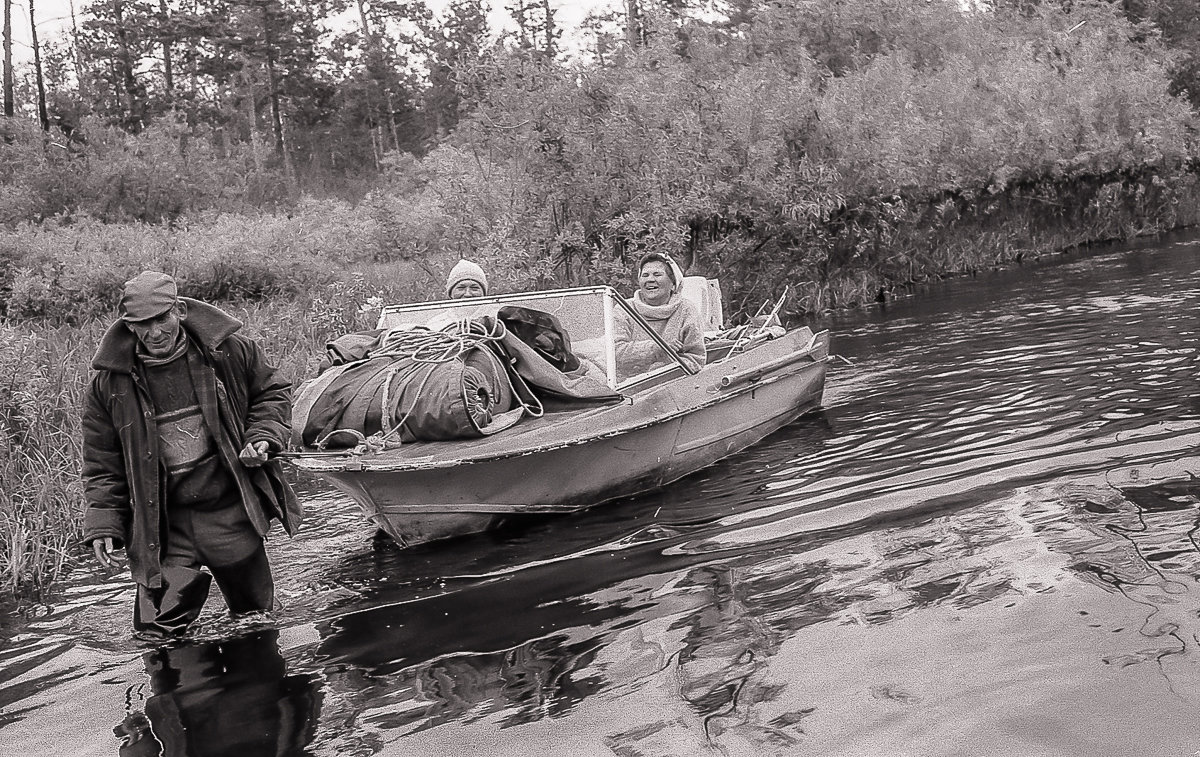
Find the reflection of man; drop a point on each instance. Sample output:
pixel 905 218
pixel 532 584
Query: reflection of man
pixel 137 737
pixel 231 697
pixel 181 416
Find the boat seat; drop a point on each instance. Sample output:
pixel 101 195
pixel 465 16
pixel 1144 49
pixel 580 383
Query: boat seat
pixel 705 294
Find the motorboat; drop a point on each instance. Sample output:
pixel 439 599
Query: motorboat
pixel 656 425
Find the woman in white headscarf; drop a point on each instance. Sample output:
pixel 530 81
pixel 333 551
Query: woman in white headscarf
pixel 675 319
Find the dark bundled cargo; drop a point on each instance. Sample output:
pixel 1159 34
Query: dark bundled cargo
pixel 541 331
pixel 412 386
pixel 470 379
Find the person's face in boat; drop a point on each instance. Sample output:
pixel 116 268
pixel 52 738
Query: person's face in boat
pixel 466 288
pixel 655 283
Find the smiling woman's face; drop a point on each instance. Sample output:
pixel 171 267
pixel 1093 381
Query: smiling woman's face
pixel 654 281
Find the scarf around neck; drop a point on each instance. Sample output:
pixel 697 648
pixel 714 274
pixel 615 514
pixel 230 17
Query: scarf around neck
pixel 181 345
pixel 656 312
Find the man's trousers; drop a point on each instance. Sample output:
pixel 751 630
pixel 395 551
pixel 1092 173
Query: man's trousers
pixel 223 540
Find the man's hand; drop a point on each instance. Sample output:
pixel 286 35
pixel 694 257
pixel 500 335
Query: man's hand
pixel 254 454
pixel 104 550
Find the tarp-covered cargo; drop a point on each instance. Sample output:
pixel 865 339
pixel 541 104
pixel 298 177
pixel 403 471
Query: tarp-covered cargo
pixel 468 379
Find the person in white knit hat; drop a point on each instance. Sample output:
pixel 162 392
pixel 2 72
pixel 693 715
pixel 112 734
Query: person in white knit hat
pixel 466 279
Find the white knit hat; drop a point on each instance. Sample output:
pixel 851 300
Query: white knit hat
pixel 465 270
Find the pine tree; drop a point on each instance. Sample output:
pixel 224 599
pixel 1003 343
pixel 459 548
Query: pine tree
pixel 113 44
pixel 453 49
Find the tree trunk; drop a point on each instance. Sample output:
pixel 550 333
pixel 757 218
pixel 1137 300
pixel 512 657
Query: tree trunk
pixel 251 101
pixel 551 45
pixel 272 83
pixel 168 77
pixel 9 105
pixel 43 116
pixel 633 23
pixel 362 18
pixel 135 108
pixel 392 120
pixel 78 58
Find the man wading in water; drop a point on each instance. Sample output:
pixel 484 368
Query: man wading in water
pixel 178 424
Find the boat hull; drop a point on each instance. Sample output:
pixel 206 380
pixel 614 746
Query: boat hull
pixel 681 427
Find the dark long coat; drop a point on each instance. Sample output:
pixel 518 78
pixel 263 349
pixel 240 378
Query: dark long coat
pixel 241 399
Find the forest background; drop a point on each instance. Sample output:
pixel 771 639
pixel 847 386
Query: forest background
pixel 299 170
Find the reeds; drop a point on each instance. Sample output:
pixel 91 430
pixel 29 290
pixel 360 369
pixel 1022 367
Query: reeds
pixel 42 374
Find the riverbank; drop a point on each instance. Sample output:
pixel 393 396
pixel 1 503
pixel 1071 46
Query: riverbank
pixel 886 247
pixel 44 360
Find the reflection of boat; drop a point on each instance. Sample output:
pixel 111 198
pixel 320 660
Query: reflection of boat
pixel 670 423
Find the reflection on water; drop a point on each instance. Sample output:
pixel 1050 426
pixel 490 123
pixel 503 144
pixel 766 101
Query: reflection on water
pixel 985 544
pixel 232 697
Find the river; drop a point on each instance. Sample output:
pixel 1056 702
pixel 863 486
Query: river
pixel 984 544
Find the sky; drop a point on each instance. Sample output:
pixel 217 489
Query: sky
pixel 54 16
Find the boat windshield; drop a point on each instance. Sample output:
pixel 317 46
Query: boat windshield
pixel 588 314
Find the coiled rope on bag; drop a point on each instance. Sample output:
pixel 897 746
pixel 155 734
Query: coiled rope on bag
pixel 428 346
pixel 424 346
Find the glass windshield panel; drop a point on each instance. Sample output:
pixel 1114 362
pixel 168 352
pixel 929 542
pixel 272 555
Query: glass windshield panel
pixel 620 346
pixel 580 311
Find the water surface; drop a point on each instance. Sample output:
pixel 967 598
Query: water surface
pixel 984 544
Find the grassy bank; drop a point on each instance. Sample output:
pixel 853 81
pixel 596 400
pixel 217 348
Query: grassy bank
pixel 883 246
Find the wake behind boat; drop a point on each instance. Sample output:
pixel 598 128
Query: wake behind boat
pixel 576 435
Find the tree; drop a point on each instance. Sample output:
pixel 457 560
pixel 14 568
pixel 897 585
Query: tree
pixel 43 117
pixel 251 64
pixel 9 105
pixel 642 17
pixel 537 31
pixel 452 52
pixel 164 18
pixel 113 43
pixel 380 79
pixel 1179 21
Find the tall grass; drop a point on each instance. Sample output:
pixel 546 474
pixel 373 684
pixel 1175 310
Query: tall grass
pixel 42 373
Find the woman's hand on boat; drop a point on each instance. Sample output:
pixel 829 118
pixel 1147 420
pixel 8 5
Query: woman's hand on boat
pixel 254 454
pixel 105 552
